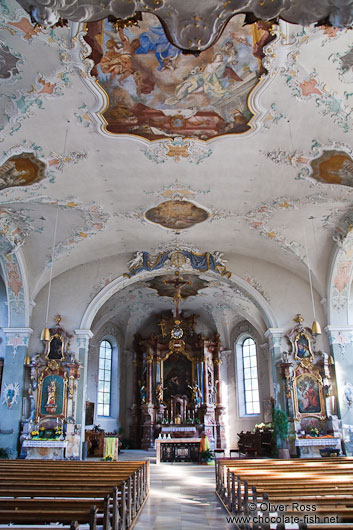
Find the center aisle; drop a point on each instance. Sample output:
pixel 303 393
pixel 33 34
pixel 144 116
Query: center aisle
pixel 182 497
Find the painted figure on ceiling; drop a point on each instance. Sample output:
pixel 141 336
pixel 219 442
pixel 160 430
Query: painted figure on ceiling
pixel 155 40
pixel 210 80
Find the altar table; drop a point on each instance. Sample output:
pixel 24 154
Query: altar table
pixel 45 449
pixel 177 450
pixel 310 447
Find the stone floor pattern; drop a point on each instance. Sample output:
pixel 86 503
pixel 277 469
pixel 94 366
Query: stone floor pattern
pixel 182 497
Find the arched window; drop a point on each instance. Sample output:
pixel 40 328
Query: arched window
pixel 250 377
pixel 105 377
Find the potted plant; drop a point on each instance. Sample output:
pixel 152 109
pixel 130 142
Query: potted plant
pixel 280 431
pixel 206 456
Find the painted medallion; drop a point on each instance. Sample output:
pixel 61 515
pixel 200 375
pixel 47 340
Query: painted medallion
pixel 176 214
pixel 333 167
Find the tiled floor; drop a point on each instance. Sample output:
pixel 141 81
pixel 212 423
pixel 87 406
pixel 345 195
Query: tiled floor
pixel 182 497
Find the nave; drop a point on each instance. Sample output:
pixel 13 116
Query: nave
pixel 182 497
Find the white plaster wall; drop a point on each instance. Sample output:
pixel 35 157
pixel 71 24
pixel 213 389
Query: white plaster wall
pixel 236 422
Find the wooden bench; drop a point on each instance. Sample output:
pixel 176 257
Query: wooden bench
pixel 265 486
pixel 116 490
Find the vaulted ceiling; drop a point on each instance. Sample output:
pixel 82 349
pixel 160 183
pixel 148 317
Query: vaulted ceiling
pixel 245 149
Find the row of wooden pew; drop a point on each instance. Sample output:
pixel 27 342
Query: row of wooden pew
pixel 107 495
pixel 315 494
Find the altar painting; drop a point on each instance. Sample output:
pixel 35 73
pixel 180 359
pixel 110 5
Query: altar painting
pixel 302 347
pixel 155 90
pixel 177 376
pixel 52 395
pixel 308 396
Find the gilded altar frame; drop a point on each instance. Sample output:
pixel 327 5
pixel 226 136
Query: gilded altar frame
pixel 54 350
pixel 302 347
pixel 308 395
pixel 61 380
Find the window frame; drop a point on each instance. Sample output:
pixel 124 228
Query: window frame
pixel 249 403
pixel 239 375
pixel 104 380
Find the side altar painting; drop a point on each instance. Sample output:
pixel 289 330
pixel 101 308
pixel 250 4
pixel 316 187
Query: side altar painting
pixel 155 90
pixel 50 430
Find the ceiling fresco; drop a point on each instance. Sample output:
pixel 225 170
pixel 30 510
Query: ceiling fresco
pixel 193 285
pixel 333 167
pixel 176 214
pixel 21 170
pixel 155 91
pixel 132 171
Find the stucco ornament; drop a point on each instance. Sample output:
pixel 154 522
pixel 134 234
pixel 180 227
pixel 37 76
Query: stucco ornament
pixel 187 30
pixel 10 394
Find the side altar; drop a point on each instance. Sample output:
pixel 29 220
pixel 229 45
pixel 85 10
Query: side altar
pixel 50 431
pixel 177 389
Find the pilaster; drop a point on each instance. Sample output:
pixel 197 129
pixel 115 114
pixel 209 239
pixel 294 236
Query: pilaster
pixel 83 337
pixel 13 382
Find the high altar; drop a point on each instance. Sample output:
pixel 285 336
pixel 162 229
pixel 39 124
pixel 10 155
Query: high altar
pixel 177 384
pixel 50 431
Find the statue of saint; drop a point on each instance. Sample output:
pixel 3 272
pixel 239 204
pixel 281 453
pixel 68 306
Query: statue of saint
pixel 51 389
pixel 196 395
pixel 143 394
pixel 159 392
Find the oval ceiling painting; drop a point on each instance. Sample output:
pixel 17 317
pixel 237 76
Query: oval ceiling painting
pixel 333 167
pixel 155 90
pixel 176 214
pixel 21 170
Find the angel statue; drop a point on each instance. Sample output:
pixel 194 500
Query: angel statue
pixel 136 261
pixel 219 260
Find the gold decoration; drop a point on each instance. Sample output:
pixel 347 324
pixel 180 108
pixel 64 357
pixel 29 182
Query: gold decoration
pixel 299 318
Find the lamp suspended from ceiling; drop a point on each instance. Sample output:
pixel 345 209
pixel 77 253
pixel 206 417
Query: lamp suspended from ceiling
pixel 45 336
pixel 315 328
pixel 193 25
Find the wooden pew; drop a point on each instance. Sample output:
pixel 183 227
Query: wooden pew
pixel 126 485
pixel 261 485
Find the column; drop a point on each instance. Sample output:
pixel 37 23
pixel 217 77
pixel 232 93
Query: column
pixel 274 337
pixel 205 381
pixel 13 386
pixel 148 410
pixel 149 360
pixel 341 370
pixel 83 338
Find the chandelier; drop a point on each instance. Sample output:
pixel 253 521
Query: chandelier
pixel 194 25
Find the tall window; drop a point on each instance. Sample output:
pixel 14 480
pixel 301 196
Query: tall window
pixel 250 378
pixel 105 376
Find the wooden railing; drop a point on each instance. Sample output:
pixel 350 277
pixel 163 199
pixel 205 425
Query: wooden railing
pixel 110 494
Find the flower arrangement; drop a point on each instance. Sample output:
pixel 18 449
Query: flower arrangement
pixel 57 432
pixel 314 431
pixel 35 434
pixel 261 427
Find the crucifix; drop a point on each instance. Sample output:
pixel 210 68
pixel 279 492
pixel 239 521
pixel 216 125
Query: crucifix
pixel 178 283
